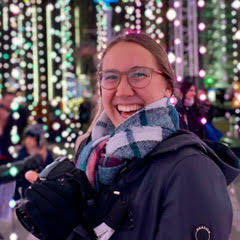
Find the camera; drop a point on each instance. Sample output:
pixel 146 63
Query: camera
pixel 57 202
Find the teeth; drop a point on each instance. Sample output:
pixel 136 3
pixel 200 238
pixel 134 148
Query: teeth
pixel 128 108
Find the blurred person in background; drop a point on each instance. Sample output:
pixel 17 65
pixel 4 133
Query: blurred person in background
pixel 33 142
pixel 190 112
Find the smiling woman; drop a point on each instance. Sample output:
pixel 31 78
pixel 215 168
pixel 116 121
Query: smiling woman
pixel 153 181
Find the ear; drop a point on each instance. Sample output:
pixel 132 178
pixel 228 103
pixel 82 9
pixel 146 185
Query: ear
pixel 168 92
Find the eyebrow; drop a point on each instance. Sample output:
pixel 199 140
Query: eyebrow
pixel 115 70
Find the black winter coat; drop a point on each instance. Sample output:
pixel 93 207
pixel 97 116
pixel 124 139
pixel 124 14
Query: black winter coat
pixel 179 192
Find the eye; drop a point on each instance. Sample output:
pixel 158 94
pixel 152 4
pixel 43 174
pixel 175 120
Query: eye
pixel 110 77
pixel 138 74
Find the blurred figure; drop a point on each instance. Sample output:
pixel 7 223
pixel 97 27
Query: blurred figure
pixel 190 113
pixel 207 109
pixel 7 121
pixel 34 142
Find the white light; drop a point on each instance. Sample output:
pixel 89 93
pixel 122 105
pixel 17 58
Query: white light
pixel 202 49
pixel 236 4
pixel 12 203
pixel 178 59
pixel 64 152
pixel 13 236
pixel 176 4
pixel 65 134
pixel 202 73
pixel 171 57
pixel 16 73
pixel 56 150
pixel 177 41
pixel 50 7
pixel 14 9
pixel 56 126
pixel 118 9
pixel 159 20
pixel 171 14
pixel 129 10
pixel 16 41
pixel 237 35
pixel 148 13
pixel 238 66
pixel 176 23
pixel 16 115
pixel 179 78
pixel 201 3
pixel 117 28
pixel 201 26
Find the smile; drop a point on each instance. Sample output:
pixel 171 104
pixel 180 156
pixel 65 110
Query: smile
pixel 128 110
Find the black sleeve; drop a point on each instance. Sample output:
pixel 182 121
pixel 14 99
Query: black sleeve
pixel 196 202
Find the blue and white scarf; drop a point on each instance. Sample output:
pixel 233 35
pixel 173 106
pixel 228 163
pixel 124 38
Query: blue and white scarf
pixel 134 138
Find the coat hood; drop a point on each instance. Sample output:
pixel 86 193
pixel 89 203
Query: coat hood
pixel 222 155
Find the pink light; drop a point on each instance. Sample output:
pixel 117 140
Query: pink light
pixel 173 100
pixel 203 97
pixel 203 120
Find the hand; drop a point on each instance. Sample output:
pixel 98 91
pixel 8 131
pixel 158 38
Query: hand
pixel 31 176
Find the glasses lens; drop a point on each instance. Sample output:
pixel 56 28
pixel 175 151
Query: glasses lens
pixel 109 80
pixel 139 77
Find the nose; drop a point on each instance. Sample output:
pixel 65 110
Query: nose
pixel 124 88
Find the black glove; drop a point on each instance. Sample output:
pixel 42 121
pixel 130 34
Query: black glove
pixel 58 203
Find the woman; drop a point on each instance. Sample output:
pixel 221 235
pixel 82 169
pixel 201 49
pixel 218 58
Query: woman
pixel 191 111
pixel 152 180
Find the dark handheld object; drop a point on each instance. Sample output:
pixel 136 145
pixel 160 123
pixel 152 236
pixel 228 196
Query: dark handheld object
pixel 58 202
pixel 11 171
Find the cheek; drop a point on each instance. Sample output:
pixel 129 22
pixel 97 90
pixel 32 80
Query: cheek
pixel 107 97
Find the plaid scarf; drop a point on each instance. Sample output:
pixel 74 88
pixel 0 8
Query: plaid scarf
pixel 134 138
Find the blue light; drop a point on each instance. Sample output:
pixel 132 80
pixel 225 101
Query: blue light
pixel 106 1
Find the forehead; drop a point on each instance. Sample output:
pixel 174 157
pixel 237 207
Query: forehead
pixel 192 88
pixel 125 55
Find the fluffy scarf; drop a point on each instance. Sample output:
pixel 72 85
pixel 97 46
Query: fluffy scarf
pixel 134 138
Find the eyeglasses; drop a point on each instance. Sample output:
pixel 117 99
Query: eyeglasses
pixel 138 77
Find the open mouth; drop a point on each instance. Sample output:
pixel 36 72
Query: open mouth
pixel 128 110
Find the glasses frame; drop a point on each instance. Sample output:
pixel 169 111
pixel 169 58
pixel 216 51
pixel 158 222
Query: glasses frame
pixel 126 73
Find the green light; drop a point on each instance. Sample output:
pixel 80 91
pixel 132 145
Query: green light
pixel 58 112
pixel 58 139
pixel 30 97
pixel 15 138
pixel 45 127
pixel 14 106
pixel 208 81
pixel 13 171
pixel 5 56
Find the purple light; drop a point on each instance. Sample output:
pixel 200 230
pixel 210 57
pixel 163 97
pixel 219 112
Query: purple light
pixel 173 100
pixel 203 121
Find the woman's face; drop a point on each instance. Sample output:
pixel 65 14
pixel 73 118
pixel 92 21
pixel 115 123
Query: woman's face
pixel 191 93
pixel 124 101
